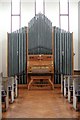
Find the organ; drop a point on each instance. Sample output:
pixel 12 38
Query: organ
pixel 40 55
pixel 40 49
pixel 41 65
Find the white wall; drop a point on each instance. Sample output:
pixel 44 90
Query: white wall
pixel 74 29
pixel 27 12
pixel 52 11
pixel 0 47
pixel 4 28
pixel 79 35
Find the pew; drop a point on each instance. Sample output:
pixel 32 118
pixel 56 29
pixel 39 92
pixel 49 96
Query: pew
pixel 73 82
pixel 9 90
pixel 16 87
pixel 12 88
pixel 5 96
pixel 70 89
pixel 0 98
pixel 62 83
pixel 9 84
pixel 76 91
pixel 65 85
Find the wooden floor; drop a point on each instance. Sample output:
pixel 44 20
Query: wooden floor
pixel 41 104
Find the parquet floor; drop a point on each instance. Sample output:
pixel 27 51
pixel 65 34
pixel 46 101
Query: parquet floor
pixel 40 104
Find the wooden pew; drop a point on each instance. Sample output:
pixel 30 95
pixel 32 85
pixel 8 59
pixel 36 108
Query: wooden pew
pixel 5 97
pixel 10 86
pixel 62 83
pixel 16 87
pixel 65 85
pixel 76 91
pixel 73 90
pixel 70 89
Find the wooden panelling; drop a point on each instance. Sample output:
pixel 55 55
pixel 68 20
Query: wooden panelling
pixel 40 62
pixel 76 72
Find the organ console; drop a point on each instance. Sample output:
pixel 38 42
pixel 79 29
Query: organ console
pixel 40 65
